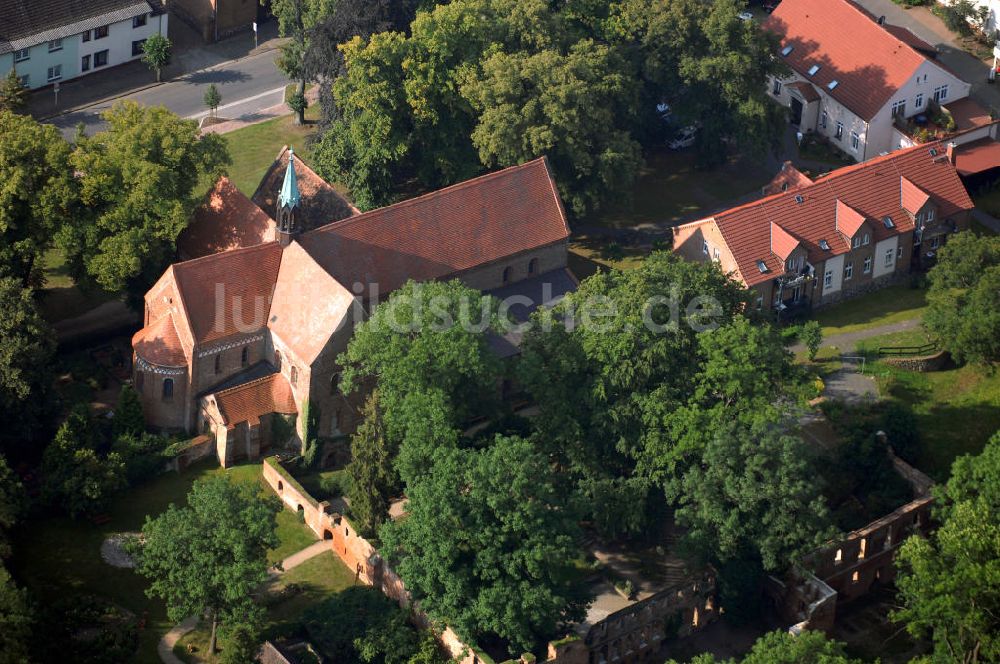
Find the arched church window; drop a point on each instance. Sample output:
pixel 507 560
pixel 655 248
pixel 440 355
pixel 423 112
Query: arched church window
pixel 168 389
pixel 295 375
pixel 532 266
pixel 335 383
pixel 506 274
pixel 277 359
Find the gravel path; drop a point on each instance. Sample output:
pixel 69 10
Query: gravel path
pixel 846 340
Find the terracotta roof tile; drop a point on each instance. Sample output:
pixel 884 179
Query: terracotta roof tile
pixel 869 63
pixel 806 89
pixel 242 280
pixel 847 220
pixel 912 197
pixel 977 156
pixel 226 220
pixel 788 178
pixel 906 36
pixel 783 243
pixel 251 400
pixel 436 235
pixel 158 343
pixel 320 204
pixel 871 188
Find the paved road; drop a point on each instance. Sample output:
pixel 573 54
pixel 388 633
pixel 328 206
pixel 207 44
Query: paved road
pixel 247 85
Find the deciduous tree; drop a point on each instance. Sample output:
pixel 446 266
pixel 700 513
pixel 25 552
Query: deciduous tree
pixel 13 94
pixel 27 346
pixel 38 194
pixel 486 541
pixel 949 583
pixel 128 418
pixel 16 618
pixel 210 556
pixel 12 504
pixel 784 648
pixel 963 313
pixel 139 182
pixel 212 99
pixel 156 54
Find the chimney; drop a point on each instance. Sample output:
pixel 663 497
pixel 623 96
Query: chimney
pixel 881 20
pixel 950 151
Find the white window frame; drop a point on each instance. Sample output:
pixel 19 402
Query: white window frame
pixel 929 217
pixel 855 141
pixel 899 107
pixel 848 270
pixel 918 101
pixel 54 73
pixel 22 55
pixel 868 265
pixel 856 242
pixel 823 118
pixel 55 45
pixel 935 242
pixel 776 88
pixel 828 280
pixel 866 240
pixel 941 93
pixel 704 247
pixel 839 131
pixel 715 254
pixel 899 253
pixel 889 260
pixel 136 21
pixel 792 265
pixel 85 63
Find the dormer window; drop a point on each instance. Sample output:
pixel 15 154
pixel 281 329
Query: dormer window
pixel 813 70
pixel 888 222
pixel 762 266
pixel 824 245
pixel 799 199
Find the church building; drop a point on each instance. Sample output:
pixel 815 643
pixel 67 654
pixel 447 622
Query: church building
pixel 249 330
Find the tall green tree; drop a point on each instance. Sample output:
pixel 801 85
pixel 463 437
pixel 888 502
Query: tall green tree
pixel 156 54
pixel 128 418
pixel 372 475
pixel 13 94
pixel 16 619
pixel 296 19
pixel 27 346
pixel 210 556
pixel 212 99
pixel 139 183
pixel 963 313
pixel 783 648
pixel 426 350
pixel 949 583
pixel 38 194
pixel 486 541
pixel 12 504
pixel 75 475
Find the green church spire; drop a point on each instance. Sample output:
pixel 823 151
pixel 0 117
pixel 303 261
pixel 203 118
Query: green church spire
pixel 289 196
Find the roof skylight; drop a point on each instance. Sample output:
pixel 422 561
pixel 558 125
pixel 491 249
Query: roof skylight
pixel 762 266
pixel 813 70
pixel 787 50
pixel 888 222
pixel 824 245
pixel 832 84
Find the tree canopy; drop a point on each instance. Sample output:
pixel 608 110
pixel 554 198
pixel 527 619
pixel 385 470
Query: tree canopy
pixel 16 619
pixel 37 194
pixel 780 647
pixel 486 543
pixel 949 583
pixel 25 365
pixel 373 477
pixel 477 84
pixel 963 312
pixel 211 555
pixel 138 182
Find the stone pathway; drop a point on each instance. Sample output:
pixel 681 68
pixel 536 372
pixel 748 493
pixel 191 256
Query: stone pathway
pixel 165 648
pixel 846 340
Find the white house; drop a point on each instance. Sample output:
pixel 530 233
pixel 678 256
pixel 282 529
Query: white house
pixel 852 74
pixel 47 41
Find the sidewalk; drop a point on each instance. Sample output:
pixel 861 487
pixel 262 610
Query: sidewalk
pixel 190 55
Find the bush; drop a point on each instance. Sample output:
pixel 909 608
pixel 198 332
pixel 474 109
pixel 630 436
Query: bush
pixel 333 486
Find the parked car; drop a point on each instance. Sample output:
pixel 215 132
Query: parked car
pixel 745 16
pixel 664 111
pixel 685 138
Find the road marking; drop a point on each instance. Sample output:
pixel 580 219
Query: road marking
pixel 198 116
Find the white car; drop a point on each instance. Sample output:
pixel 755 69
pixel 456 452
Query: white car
pixel 684 139
pixel 746 16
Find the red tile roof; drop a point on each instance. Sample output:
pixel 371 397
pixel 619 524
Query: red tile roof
pixel 847 220
pixel 906 36
pixel 158 343
pixel 782 242
pixel 869 63
pixel 977 156
pixel 872 189
pixel 913 197
pixel 436 235
pixel 226 220
pixel 805 89
pixel 320 204
pixel 787 179
pixel 251 400
pixel 238 283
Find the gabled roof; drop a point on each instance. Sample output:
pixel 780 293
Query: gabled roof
pixel 228 293
pixel 25 23
pixel 309 305
pixel 251 400
pixel 807 90
pixel 868 62
pixel 788 178
pixel 783 243
pixel 226 220
pixel 977 156
pixel 319 203
pixel 907 36
pixel 466 225
pixel 911 196
pixel 871 189
pixel 847 220
pixel 158 343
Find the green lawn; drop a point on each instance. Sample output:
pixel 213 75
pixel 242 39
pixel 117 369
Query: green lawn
pixel 56 555
pixel 917 337
pixel 61 298
pixel 671 189
pixel 254 148
pixel 882 307
pixel 957 411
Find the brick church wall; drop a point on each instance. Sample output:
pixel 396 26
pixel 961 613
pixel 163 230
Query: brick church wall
pixel 487 277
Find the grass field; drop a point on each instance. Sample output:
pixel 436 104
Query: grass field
pixel 56 555
pixel 671 189
pixel 882 307
pixel 61 298
pixel 957 411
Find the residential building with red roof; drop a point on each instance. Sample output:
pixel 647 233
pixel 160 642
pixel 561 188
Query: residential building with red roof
pixel 851 231
pixel 234 339
pixel 853 79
